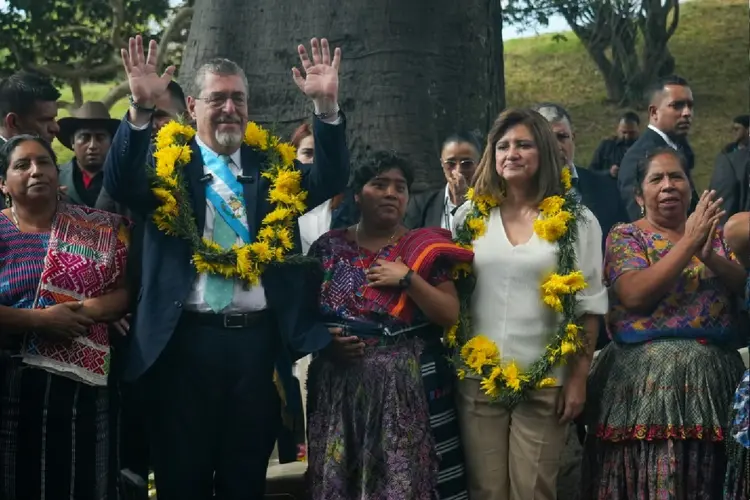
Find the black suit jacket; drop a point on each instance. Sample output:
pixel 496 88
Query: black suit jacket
pixel 626 177
pixel 167 273
pixel 426 209
pixel 731 180
pixel 599 194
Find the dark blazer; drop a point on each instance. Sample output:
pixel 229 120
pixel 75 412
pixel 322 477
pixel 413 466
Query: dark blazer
pixel 599 194
pixel 731 180
pixel 626 177
pixel 426 209
pixel 167 273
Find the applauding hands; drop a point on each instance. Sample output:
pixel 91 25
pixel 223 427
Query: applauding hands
pixel 700 227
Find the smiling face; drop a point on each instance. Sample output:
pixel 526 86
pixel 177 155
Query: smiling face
pixel 220 112
pixel 517 157
pixel 32 174
pixel 383 198
pixel 665 191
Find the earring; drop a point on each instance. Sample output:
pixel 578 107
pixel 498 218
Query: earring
pixel 643 210
pixel 8 200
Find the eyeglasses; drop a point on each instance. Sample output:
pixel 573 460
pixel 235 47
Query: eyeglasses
pixel 218 100
pixel 464 164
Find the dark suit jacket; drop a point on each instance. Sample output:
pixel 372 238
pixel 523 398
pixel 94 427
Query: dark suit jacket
pixel 426 209
pixel 167 272
pixel 731 180
pixel 626 177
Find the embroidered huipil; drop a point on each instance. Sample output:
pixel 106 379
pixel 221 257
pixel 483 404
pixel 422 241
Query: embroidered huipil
pixel 507 302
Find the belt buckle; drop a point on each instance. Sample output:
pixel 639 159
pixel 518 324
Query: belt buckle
pixel 234 321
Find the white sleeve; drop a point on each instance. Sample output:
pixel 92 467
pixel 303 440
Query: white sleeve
pixel 459 216
pixel 592 299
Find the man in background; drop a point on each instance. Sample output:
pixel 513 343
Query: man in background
pixel 28 105
pixel 610 152
pixel 740 131
pixel 670 117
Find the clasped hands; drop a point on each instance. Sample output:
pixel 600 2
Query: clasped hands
pixel 700 227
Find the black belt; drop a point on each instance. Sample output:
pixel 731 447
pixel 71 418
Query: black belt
pixel 229 321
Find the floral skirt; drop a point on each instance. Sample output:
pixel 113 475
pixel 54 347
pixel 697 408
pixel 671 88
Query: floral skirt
pixel 657 416
pixel 385 427
pixel 737 481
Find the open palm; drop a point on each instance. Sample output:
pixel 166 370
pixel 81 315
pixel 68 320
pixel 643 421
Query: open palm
pixel 321 80
pixel 146 85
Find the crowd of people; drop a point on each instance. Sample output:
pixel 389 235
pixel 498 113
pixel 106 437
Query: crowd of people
pixel 161 293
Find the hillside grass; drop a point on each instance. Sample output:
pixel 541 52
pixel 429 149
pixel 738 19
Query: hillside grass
pixel 711 50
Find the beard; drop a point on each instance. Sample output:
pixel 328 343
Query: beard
pixel 228 139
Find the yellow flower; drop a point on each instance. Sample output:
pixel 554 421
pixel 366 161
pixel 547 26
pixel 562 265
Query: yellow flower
pixel 568 347
pixel 551 205
pixel 553 301
pixel 287 152
pixel 201 264
pixel 461 270
pixel 274 217
pixel 212 246
pixel 571 332
pixel 554 227
pixel 284 236
pixel 288 181
pixel 262 250
pixel 547 382
pixel 489 384
pixel 164 196
pixel 256 136
pixel 266 233
pixel 566 179
pixel 470 194
pixel 450 336
pixel 476 226
pixel 556 285
pixel 479 352
pixel 461 373
pixel 513 376
pixel 173 131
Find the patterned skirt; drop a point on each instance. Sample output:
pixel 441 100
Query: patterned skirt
pixel 385 427
pixel 54 436
pixel 657 416
pixel 737 481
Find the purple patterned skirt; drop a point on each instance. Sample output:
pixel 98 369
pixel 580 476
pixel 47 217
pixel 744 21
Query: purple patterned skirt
pixel 369 433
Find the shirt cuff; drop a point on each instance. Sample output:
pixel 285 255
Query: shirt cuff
pixel 137 127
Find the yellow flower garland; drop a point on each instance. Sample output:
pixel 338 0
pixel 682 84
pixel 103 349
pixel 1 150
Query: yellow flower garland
pixel 175 216
pixel 504 381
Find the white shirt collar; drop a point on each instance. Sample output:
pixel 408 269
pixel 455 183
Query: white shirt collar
pixel 448 202
pixel 664 136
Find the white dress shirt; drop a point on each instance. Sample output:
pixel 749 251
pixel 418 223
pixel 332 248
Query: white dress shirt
pixel 446 221
pixel 506 305
pixel 314 224
pixel 666 138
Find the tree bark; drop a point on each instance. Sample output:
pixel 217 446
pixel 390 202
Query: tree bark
pixel 412 72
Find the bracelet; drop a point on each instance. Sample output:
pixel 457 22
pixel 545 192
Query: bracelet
pixel 138 107
pixel 405 282
pixel 328 114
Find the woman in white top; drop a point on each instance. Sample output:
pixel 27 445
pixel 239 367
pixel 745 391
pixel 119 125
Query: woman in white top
pixel 534 372
pixel 317 221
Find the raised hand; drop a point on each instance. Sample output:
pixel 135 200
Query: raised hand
pixel 700 223
pixel 321 80
pixel 146 86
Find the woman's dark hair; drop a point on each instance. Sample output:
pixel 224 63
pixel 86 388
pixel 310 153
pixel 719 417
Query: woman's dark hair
pixel 645 163
pixel 464 137
pixel 376 164
pixel 6 151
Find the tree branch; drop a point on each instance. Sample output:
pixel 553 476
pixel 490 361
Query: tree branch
pixel 116 93
pixel 180 18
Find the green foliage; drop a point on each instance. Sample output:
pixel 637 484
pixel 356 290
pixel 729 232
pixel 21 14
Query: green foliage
pixel 60 34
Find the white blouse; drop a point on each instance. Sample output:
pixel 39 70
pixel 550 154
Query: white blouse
pixel 506 305
pixel 314 224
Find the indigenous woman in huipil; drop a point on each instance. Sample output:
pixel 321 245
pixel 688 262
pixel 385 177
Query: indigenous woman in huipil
pixel 381 417
pixel 62 271
pixel 526 343
pixel 660 392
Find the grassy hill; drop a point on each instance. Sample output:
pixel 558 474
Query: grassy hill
pixel 711 49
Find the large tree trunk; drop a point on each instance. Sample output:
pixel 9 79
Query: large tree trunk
pixel 412 72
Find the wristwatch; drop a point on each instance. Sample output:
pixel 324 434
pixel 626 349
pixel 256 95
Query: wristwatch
pixel 405 282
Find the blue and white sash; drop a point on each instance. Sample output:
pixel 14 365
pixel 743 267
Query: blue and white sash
pixel 224 192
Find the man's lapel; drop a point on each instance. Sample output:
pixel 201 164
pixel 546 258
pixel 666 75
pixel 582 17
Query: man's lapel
pixel 197 188
pixel 251 161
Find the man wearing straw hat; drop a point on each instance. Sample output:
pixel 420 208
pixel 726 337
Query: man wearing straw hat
pixel 88 133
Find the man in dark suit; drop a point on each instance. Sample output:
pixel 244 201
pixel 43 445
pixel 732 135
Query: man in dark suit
pixel 206 357
pixel 731 181
pixel 28 105
pixel 670 114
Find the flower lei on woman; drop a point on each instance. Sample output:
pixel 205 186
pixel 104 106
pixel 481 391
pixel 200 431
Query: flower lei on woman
pixel 503 380
pixel 175 215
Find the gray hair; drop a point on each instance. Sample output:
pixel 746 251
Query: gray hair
pixel 221 67
pixel 553 113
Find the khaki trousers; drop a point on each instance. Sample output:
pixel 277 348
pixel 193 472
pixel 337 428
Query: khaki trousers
pixel 511 455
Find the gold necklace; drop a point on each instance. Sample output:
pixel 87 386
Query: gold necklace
pixel 15 216
pixel 390 240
